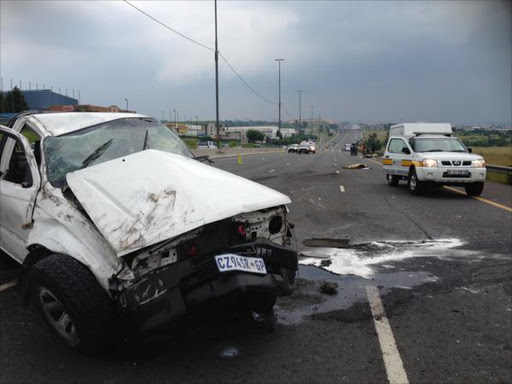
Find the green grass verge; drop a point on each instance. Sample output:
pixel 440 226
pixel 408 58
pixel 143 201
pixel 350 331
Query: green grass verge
pixel 191 143
pixel 495 155
pixel 499 177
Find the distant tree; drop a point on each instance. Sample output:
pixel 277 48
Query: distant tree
pixel 13 101
pixel 253 135
pixel 372 142
pixel 279 135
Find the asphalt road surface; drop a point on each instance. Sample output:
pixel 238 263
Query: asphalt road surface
pixel 423 293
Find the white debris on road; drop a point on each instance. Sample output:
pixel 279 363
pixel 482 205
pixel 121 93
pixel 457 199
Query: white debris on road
pixel 359 261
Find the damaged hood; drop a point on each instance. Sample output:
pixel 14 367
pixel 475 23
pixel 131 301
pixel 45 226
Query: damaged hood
pixel 151 196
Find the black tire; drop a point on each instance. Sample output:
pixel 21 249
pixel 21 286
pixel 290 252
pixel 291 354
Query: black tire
pixel 392 180
pixel 75 307
pixel 474 189
pixel 415 186
pixel 262 302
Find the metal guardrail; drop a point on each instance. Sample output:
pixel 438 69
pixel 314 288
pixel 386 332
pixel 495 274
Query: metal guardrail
pixel 499 169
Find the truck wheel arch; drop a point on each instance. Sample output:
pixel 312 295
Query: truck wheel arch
pixel 54 238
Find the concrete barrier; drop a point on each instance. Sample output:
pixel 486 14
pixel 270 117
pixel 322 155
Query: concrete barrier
pixel 233 152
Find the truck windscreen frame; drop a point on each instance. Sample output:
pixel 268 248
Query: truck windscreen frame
pixel 104 142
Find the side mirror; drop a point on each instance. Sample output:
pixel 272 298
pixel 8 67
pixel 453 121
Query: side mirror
pixel 470 150
pixel 406 150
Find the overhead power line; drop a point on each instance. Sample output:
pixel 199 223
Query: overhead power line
pixel 206 47
pixel 243 81
pixel 288 113
pixel 169 28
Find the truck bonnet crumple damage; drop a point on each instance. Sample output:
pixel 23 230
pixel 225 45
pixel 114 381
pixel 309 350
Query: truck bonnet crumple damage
pixel 151 196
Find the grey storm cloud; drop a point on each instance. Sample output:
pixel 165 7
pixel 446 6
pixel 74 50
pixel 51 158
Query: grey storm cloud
pixel 370 61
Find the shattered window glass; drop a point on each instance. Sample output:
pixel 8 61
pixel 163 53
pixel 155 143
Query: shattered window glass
pixel 104 142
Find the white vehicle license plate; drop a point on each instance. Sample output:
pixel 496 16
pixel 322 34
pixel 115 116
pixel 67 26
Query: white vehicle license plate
pixel 457 172
pixel 229 262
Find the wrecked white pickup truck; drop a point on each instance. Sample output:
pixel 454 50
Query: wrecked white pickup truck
pixel 115 223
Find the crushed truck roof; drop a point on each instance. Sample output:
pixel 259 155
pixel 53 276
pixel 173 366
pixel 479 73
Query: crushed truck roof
pixel 56 124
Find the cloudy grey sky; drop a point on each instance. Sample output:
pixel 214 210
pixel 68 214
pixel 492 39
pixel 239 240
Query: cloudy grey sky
pixel 373 61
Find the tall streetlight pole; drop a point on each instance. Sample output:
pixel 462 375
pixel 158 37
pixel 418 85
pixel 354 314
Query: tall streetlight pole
pixel 217 80
pixel 125 99
pixel 175 121
pixel 300 108
pixel 311 119
pixel 279 125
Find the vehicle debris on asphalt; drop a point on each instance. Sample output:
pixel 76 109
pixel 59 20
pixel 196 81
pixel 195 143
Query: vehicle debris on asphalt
pixel 356 166
pixel 329 287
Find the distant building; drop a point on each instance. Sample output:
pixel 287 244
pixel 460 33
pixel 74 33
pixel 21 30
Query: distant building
pixel 288 132
pixel 87 108
pixel 211 130
pixel 189 129
pixel 45 98
pixel 270 131
pixel 5 117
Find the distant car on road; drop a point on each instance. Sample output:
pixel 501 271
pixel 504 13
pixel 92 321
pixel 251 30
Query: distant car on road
pixel 307 147
pixel 206 145
pixel 294 148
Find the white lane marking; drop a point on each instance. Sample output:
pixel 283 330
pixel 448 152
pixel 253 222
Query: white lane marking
pixel 8 285
pixel 287 163
pixel 272 170
pixel 392 360
pixel 342 188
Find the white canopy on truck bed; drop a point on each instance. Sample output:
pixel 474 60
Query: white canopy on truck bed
pixel 410 129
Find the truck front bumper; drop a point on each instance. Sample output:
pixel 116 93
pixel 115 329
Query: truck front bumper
pixel 441 175
pixel 169 292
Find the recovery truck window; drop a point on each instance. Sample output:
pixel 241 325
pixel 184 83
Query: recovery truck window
pixel 442 144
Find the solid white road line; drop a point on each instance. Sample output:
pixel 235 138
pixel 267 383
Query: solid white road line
pixel 8 285
pixel 272 170
pixel 342 189
pixel 392 360
pixel 375 161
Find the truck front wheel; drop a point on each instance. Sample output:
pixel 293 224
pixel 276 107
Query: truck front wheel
pixel 73 304
pixel 415 186
pixel 474 189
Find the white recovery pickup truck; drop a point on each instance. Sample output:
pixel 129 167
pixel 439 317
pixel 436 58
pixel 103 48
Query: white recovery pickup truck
pixel 427 154
pixel 114 223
